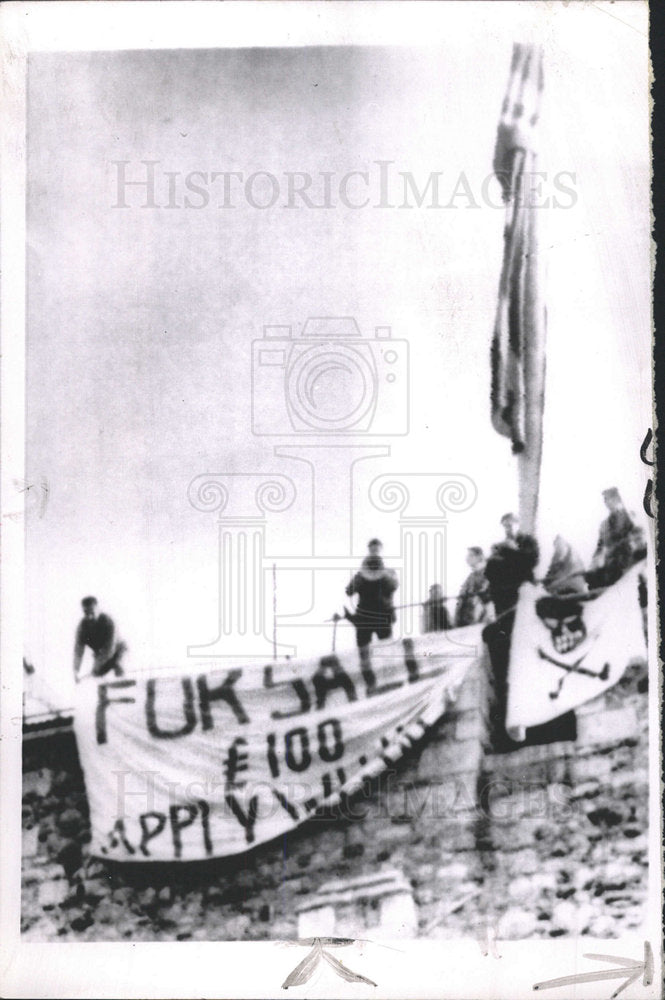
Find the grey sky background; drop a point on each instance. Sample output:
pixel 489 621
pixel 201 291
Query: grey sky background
pixel 141 321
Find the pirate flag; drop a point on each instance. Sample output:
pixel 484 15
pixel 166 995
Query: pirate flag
pixel 566 650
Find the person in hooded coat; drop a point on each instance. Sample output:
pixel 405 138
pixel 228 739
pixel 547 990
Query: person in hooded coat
pixel 566 570
pixel 374 586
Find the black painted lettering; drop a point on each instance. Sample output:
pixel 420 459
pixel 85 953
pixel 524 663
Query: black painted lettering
pixel 119 836
pixel 178 824
pixel 148 832
pixel 236 762
pixel 296 745
pixel 187 708
pixel 331 746
pixel 299 688
pixel 273 763
pixel 204 810
pixel 369 677
pixel 329 676
pixel 103 701
pixel 224 692
pixel 248 819
pixel 285 804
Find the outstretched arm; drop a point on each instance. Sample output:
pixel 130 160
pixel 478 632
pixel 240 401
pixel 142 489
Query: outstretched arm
pixel 78 651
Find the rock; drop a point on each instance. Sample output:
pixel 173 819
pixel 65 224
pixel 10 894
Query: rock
pixel 236 928
pixel 352 851
pixel 96 869
pixel 123 895
pixel 603 926
pixel 148 897
pixel 30 842
pixel 63 782
pixel 583 877
pixel 543 881
pixel 605 817
pixel 52 894
pixel 69 856
pixel 281 930
pixel 96 891
pixel 520 889
pixel 455 872
pixel 37 782
pixel 516 924
pixel 82 921
pixel 105 911
pixel 75 897
pixel 565 916
pixel 165 894
pixel 70 822
pixel 525 862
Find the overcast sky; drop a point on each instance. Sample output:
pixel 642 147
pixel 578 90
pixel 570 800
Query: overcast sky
pixel 141 319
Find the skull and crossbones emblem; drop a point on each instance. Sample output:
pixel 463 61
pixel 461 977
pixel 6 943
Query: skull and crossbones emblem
pixel 563 617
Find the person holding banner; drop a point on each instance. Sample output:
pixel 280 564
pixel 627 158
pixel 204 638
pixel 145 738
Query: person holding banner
pixel 375 586
pixel 566 570
pixel 473 603
pixel 510 564
pixel 98 633
pixel 435 617
pixel 620 543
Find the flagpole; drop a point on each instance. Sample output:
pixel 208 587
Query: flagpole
pixel 518 345
pixel 529 461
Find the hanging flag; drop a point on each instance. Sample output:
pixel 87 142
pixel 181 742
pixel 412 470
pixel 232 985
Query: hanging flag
pixel 213 763
pixel 518 345
pixel 566 650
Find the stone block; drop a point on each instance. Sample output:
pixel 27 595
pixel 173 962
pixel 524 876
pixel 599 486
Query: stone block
pixel 470 695
pixel 398 917
pixel 52 893
pixel 524 862
pixel 453 873
pixel 590 768
pixel 605 726
pixel 30 842
pixel 516 923
pixel 37 782
pixel 471 725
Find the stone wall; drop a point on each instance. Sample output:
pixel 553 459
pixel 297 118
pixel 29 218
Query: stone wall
pixel 545 841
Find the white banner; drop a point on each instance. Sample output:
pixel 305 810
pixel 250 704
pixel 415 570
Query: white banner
pixel 212 763
pixel 567 650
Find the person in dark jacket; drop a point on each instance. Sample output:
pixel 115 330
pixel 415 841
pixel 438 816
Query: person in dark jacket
pixel 374 586
pixel 98 633
pixel 436 618
pixel 512 563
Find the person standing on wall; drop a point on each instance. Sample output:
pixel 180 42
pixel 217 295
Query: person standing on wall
pixel 374 586
pixel 474 601
pixel 99 634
